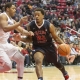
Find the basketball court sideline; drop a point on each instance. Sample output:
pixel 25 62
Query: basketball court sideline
pixel 50 73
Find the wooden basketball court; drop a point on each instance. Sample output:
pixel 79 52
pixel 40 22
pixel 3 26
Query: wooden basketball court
pixel 50 73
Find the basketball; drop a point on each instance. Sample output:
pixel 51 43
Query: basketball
pixel 64 49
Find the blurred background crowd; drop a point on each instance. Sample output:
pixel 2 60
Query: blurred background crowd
pixel 64 14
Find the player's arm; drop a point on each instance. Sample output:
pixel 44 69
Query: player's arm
pixel 27 33
pixel 6 27
pixel 23 31
pixel 28 38
pixel 54 35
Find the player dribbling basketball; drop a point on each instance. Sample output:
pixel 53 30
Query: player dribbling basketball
pixel 43 46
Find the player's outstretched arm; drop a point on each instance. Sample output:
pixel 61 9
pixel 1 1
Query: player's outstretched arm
pixel 26 39
pixel 54 35
pixel 24 32
pixel 28 34
pixel 6 27
pixel 18 37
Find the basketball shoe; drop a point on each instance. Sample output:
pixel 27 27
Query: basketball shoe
pixel 67 77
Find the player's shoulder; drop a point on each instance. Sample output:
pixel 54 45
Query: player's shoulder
pixel 46 21
pixel 2 15
pixel 32 22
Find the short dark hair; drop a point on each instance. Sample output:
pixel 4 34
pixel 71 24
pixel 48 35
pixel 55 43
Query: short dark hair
pixel 8 5
pixel 41 10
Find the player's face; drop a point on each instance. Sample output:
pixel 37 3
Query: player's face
pixel 12 10
pixel 38 16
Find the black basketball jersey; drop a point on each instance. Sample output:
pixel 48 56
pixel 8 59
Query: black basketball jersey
pixel 42 35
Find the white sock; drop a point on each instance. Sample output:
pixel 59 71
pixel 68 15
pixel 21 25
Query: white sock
pixel 19 79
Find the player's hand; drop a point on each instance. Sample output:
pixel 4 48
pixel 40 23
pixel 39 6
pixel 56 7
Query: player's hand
pixel 30 33
pixel 23 19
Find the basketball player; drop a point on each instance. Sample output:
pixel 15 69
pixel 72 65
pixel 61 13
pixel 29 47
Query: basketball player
pixel 9 52
pixel 43 45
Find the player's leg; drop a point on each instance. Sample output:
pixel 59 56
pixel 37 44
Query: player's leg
pixel 52 55
pixel 16 56
pixel 19 59
pixel 60 66
pixel 5 62
pixel 71 59
pixel 38 57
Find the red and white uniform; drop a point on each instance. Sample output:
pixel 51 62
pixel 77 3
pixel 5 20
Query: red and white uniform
pixel 7 50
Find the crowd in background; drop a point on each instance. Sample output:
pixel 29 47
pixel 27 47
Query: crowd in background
pixel 64 14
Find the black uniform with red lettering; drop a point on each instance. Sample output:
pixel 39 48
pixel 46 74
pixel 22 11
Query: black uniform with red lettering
pixel 42 42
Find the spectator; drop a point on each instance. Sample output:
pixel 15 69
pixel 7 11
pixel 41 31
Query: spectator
pixel 25 52
pixel 73 56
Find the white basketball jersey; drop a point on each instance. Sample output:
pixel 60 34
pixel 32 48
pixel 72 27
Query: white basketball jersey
pixel 5 35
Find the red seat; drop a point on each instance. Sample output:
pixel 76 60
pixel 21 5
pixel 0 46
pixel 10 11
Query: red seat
pixel 63 4
pixel 61 7
pixel 63 26
pixel 62 1
pixel 72 17
pixel 56 13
